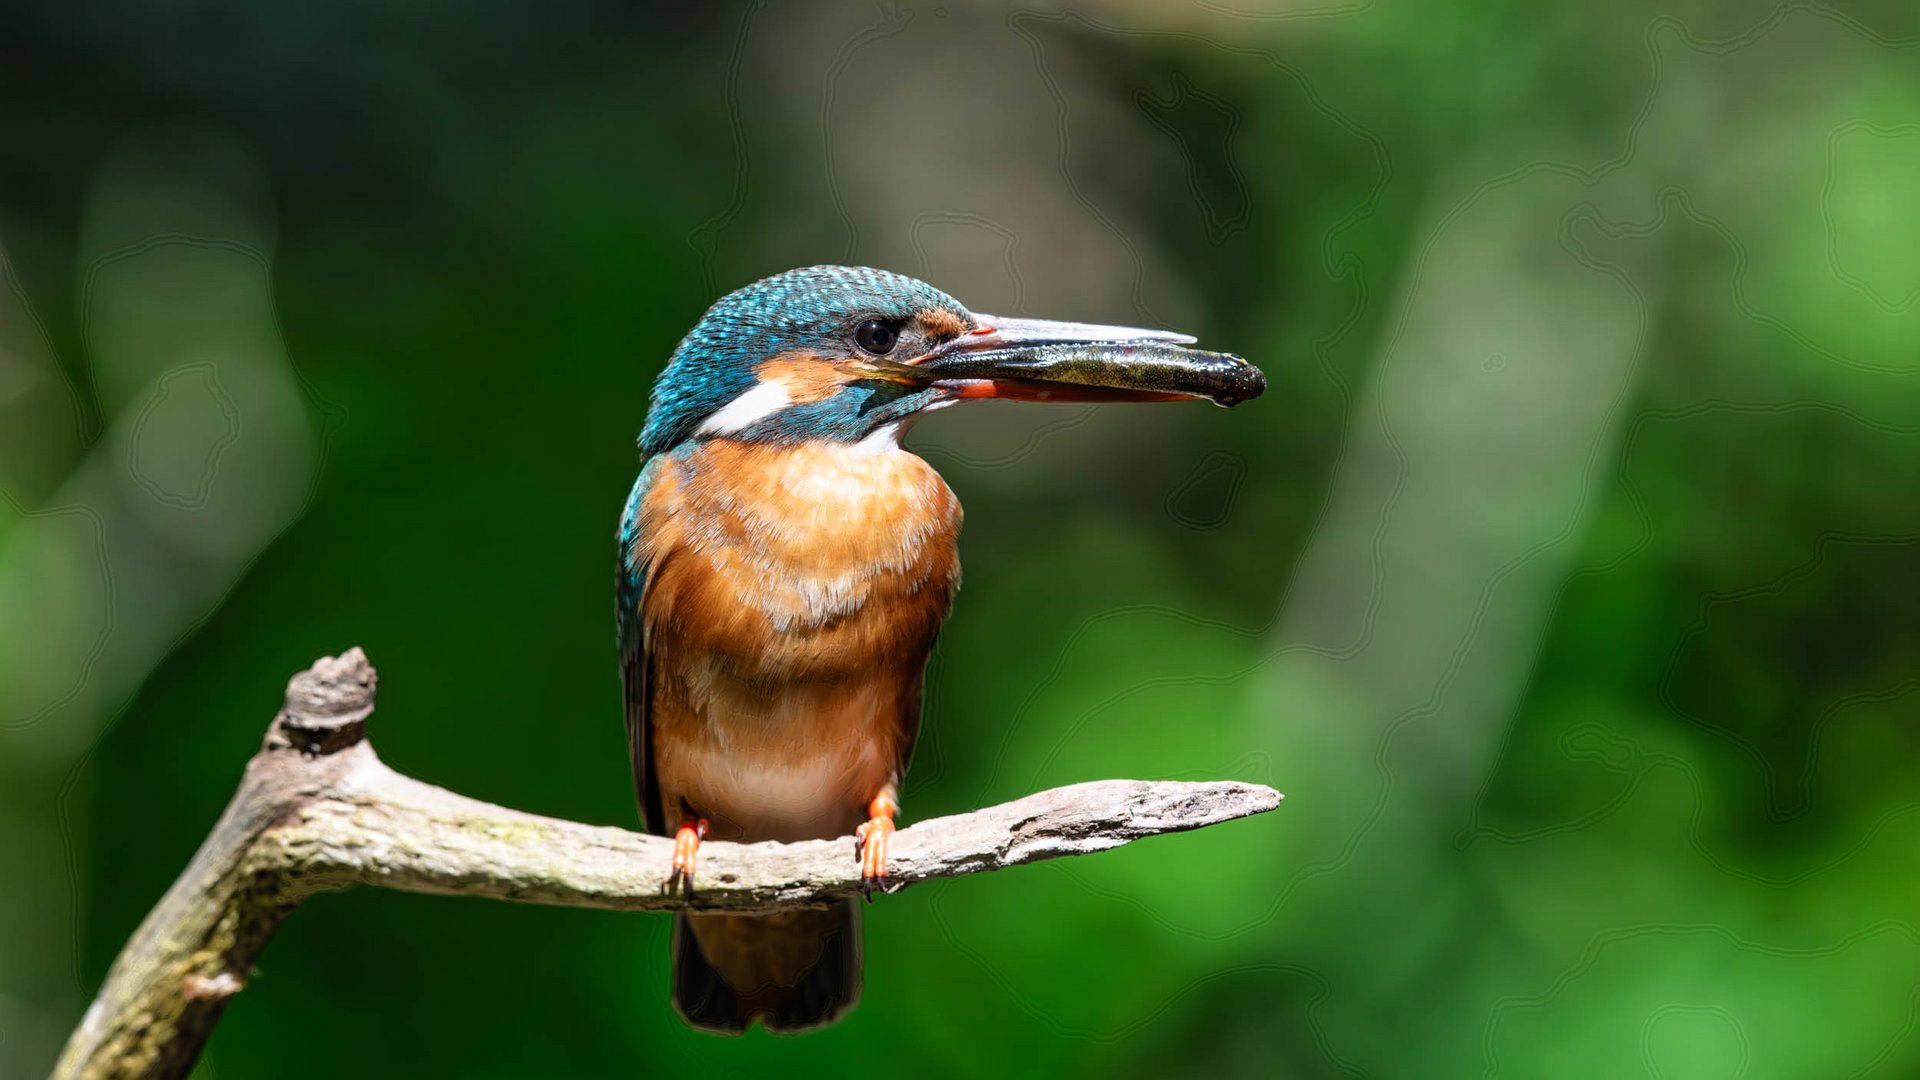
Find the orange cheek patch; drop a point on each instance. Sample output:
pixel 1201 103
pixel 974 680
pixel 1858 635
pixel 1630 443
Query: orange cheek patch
pixel 807 377
pixel 939 322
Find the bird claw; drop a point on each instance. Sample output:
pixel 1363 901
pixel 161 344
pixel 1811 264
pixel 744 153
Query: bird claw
pixel 870 846
pixel 686 844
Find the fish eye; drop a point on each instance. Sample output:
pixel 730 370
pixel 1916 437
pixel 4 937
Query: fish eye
pixel 876 336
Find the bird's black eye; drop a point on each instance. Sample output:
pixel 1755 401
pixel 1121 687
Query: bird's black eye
pixel 876 336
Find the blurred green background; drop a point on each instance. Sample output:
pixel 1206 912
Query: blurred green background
pixel 1566 579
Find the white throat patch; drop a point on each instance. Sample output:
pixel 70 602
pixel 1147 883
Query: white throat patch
pixel 883 439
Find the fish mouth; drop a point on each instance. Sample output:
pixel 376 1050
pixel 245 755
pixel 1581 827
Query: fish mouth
pixel 1045 360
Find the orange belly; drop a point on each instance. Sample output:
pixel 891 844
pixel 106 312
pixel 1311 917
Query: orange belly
pixel 795 595
pixel 783 762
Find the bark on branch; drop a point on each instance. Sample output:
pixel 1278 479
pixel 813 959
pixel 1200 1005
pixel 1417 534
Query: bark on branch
pixel 317 810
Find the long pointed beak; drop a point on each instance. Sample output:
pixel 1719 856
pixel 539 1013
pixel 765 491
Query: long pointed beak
pixel 1043 360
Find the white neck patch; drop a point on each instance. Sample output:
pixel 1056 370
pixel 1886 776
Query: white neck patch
pixel 752 406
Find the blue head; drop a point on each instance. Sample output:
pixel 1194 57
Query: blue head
pixel 843 352
pixel 789 358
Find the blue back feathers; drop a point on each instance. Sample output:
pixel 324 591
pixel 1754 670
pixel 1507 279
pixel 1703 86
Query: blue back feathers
pixel 814 308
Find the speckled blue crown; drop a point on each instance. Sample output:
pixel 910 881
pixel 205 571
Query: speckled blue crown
pixel 714 363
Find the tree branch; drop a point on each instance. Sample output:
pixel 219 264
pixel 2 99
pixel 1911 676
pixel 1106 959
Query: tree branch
pixel 317 810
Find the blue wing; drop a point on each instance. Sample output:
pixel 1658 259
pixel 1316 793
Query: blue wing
pixel 630 588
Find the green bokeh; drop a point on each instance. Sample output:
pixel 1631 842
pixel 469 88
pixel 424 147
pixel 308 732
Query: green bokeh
pixel 1567 579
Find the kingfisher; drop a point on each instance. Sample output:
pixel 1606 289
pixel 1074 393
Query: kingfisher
pixel 784 567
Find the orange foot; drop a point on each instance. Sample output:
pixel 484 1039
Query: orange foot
pixel 870 843
pixel 685 844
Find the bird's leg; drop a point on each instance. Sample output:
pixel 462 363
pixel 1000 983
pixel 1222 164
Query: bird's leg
pixel 870 840
pixel 686 843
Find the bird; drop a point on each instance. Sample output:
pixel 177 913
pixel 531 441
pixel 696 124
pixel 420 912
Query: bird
pixel 784 567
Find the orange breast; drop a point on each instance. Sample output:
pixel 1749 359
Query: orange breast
pixel 792 598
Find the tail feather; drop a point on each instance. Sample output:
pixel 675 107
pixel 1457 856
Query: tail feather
pixel 699 993
pixel 792 970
